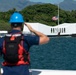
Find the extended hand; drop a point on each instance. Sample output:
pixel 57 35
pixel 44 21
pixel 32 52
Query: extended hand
pixel 29 27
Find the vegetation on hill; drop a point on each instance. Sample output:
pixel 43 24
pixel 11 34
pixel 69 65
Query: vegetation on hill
pixel 41 13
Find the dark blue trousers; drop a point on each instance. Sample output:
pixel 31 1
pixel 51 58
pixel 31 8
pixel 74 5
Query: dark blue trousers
pixel 16 70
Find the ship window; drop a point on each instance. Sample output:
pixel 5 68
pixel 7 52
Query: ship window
pixel 64 30
pixel 51 30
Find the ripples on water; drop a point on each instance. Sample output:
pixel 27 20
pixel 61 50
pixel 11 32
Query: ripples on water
pixel 59 53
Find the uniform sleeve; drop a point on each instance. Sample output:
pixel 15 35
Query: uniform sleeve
pixel 33 40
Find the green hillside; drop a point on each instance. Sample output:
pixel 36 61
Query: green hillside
pixel 41 13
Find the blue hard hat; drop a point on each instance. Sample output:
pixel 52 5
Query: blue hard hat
pixel 16 18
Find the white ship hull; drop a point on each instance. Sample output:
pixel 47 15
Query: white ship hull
pixel 65 29
pixel 52 72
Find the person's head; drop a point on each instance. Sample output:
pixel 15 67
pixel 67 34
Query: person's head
pixel 16 20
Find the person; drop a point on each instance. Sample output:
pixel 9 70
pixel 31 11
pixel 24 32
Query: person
pixel 21 67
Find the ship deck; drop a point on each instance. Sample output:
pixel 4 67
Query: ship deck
pixel 52 72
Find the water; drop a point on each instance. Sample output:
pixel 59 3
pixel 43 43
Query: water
pixel 58 54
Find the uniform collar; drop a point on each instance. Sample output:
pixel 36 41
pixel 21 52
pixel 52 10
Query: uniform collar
pixel 15 31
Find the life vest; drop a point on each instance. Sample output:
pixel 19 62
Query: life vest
pixel 14 52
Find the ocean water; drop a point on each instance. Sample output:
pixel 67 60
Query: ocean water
pixel 58 54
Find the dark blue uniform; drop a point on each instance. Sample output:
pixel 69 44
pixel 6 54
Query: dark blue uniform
pixel 22 69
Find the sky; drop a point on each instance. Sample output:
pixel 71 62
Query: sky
pixel 49 1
